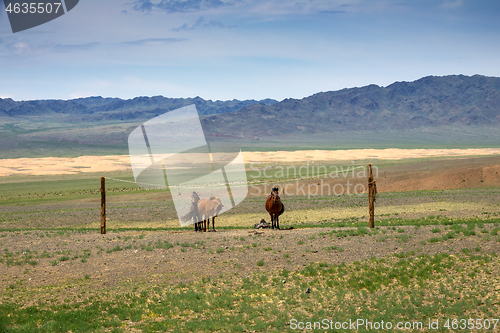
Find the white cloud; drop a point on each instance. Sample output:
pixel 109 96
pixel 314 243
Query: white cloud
pixel 23 48
pixel 178 6
pixel 155 41
pixel 202 22
pixel 452 4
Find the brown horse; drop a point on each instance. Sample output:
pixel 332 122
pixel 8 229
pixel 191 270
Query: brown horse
pixel 274 207
pixel 209 208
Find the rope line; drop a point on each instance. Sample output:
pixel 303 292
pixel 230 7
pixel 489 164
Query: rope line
pixel 120 180
pixel 174 186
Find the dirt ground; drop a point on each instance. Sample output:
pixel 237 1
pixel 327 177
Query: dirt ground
pixel 117 258
pixel 428 175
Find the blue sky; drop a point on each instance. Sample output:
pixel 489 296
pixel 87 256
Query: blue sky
pixel 245 49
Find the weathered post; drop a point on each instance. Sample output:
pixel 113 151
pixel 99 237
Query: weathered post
pixel 372 190
pixel 103 206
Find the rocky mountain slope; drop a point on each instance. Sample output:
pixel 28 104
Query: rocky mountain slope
pixel 455 100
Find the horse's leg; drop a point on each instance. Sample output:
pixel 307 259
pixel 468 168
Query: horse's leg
pixel 278 222
pixel 197 223
pixel 272 221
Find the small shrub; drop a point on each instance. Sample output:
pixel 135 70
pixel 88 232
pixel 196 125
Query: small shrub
pixel 284 272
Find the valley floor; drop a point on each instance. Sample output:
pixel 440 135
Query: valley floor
pixel 433 254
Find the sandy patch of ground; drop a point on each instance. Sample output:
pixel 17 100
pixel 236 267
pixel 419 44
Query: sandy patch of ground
pixel 361 154
pixel 61 165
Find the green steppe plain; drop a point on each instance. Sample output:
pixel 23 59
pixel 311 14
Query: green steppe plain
pixel 435 278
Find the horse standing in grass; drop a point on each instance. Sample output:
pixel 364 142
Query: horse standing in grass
pixel 209 208
pixel 274 207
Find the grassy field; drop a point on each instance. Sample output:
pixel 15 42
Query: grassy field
pixel 440 288
pixel 408 287
pixel 437 260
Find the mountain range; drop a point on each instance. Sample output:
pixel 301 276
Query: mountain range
pixel 451 101
pixel 94 109
pixel 447 110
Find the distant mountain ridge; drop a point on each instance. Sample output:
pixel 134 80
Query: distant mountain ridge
pixel 98 108
pixel 451 111
pixel 454 100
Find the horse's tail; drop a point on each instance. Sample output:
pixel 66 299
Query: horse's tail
pixel 189 216
pixel 282 208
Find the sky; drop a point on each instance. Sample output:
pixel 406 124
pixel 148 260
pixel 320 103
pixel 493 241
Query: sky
pixel 245 49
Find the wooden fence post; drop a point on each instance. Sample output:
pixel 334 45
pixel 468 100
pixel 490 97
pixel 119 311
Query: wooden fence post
pixel 372 190
pixel 103 206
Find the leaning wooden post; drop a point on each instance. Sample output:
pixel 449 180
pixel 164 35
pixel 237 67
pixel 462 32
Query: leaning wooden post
pixel 372 190
pixel 103 205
